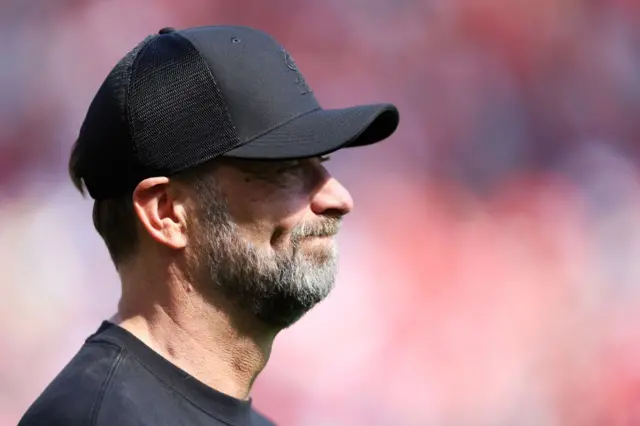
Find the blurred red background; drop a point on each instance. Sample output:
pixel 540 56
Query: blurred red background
pixel 488 275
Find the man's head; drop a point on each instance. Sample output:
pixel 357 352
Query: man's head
pixel 205 147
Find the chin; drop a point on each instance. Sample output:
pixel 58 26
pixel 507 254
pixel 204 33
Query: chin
pixel 282 311
pixel 285 305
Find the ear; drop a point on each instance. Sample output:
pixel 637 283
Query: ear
pixel 162 215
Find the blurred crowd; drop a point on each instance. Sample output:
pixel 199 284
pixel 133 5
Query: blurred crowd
pixel 488 274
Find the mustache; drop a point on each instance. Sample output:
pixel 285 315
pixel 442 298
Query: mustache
pixel 326 228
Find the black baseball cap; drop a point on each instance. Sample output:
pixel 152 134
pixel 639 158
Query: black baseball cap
pixel 184 97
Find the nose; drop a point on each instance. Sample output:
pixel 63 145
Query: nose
pixel 332 199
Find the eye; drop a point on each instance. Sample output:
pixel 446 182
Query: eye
pixel 324 158
pixel 291 164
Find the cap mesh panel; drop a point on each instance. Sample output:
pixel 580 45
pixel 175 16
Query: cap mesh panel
pixel 177 116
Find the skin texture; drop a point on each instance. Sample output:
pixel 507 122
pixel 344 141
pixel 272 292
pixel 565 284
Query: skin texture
pixel 227 261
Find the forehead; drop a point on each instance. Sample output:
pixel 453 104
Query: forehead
pixel 224 168
pixel 254 166
pixel 236 177
pixel 281 172
pixel 272 174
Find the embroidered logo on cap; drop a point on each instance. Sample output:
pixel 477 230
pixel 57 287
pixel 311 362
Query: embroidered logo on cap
pixel 300 81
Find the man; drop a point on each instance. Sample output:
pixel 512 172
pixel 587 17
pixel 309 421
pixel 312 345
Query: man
pixel 203 150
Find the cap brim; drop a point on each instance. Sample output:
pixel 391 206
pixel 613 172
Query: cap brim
pixel 322 132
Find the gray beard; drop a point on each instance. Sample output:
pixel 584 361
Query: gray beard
pixel 275 287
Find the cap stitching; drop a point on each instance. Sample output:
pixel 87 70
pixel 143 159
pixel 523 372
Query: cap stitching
pixel 282 123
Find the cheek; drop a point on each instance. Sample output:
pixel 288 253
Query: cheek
pixel 268 214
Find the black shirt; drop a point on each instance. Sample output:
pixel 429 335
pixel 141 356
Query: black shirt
pixel 115 379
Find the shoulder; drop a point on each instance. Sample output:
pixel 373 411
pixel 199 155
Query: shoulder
pixel 74 397
pixel 258 419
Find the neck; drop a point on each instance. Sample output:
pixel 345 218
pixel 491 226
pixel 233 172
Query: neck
pixel 210 343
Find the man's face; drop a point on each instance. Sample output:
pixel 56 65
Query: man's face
pixel 264 237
